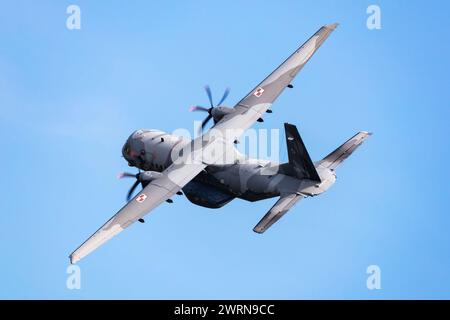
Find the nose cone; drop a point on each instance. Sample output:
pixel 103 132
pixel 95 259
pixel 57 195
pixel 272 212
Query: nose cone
pixel 126 151
pixel 133 148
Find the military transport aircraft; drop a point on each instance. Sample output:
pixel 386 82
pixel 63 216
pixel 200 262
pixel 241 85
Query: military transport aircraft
pixel 211 172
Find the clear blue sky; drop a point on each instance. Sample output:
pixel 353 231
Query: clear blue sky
pixel 69 99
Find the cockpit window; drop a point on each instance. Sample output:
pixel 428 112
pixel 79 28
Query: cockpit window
pixel 139 133
pixel 127 150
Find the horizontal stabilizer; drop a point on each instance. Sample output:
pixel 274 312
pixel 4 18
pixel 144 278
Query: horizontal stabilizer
pixel 335 158
pixel 282 206
pixel 300 163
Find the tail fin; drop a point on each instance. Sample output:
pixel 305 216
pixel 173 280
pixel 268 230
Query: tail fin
pixel 335 158
pixel 300 163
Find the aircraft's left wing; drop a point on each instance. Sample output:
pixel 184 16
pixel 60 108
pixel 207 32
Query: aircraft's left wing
pixel 255 104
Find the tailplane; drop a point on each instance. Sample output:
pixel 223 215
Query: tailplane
pixel 278 210
pixel 301 166
pixel 335 158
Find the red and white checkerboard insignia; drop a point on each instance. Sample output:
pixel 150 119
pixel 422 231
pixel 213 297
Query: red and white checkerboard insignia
pixel 258 92
pixel 141 198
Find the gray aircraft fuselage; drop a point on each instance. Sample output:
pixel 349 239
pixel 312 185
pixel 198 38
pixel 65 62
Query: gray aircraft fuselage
pixel 248 179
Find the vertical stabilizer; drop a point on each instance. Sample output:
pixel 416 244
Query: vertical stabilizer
pixel 300 163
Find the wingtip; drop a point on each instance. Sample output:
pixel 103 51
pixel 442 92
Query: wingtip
pixel 73 260
pixel 332 26
pixel 258 230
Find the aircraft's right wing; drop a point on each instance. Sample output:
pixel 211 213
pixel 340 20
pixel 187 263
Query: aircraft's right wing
pixel 278 210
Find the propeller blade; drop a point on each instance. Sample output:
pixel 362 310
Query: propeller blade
pixel 208 92
pixel 225 95
pixel 130 193
pixel 125 175
pixel 206 121
pixel 198 108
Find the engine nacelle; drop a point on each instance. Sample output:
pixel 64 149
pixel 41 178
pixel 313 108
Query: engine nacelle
pixel 219 112
pixel 149 176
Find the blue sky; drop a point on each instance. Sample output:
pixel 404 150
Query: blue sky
pixel 69 99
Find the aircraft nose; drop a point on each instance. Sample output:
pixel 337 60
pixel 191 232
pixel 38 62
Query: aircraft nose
pixel 132 150
pixel 126 150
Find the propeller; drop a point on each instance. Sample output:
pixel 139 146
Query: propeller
pixel 135 184
pixel 143 178
pixel 209 110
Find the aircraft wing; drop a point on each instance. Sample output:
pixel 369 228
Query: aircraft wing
pixel 191 160
pixel 149 198
pixel 256 103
